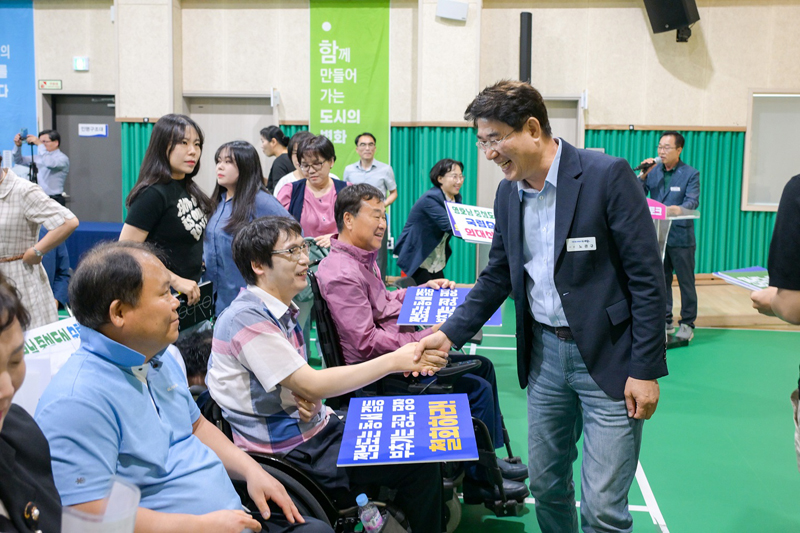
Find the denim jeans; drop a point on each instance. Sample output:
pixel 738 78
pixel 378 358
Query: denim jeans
pixel 563 401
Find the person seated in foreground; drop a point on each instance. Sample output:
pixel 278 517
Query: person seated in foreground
pixel 28 496
pixel 259 375
pixel 365 312
pixel 118 408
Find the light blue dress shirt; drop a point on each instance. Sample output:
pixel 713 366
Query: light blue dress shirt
pixel 539 221
pixel 53 168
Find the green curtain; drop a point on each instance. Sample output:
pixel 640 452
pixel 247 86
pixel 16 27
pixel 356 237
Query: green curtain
pixel 291 129
pixel 727 237
pixel 135 138
pixel 414 152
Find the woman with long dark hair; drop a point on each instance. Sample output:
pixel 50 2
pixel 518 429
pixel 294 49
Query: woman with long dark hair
pixel 166 208
pixel 239 197
pixel 424 245
pixel 275 144
pixel 29 500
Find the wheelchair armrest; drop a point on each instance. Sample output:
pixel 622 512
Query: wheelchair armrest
pixel 454 371
pixel 477 338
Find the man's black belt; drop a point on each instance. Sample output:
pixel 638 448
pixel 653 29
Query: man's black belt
pixel 565 334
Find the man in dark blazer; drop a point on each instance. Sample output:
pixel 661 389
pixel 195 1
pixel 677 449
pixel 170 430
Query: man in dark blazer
pixel 676 185
pixel 586 277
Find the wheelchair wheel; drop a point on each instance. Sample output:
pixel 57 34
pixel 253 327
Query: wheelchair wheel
pixel 453 513
pixel 305 502
pixel 302 498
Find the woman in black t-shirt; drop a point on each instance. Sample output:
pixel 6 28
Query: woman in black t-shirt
pixel 166 207
pixel 275 143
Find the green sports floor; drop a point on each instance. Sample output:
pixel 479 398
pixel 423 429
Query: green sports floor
pixel 718 456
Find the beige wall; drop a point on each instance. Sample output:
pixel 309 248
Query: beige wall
pixel 61 31
pixel 604 46
pixel 636 77
pixel 248 46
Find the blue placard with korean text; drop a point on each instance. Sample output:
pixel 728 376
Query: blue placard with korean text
pixel 17 72
pixel 408 429
pixel 424 306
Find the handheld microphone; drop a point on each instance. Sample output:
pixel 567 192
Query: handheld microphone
pixel 645 166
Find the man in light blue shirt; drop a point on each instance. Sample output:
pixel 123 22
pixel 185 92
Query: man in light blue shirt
pixel 379 175
pixel 118 408
pixel 52 163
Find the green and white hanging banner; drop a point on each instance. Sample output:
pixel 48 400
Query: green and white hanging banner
pixel 350 75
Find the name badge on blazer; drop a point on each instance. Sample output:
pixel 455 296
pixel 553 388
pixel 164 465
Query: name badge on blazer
pixel 675 189
pixel 582 244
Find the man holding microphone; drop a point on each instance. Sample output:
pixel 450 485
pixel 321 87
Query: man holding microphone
pixel 676 185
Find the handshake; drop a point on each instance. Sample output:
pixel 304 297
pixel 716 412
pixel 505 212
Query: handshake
pixel 427 364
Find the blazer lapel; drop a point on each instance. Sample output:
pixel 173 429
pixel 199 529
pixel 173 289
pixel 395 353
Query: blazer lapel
pixel 567 193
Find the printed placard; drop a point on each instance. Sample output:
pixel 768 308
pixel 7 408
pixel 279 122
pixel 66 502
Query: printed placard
pixel 473 224
pixel 753 278
pixel 408 429
pixel 424 306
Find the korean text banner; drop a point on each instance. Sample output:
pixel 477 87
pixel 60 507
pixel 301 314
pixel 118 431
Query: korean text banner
pixel 473 224
pixel 17 74
pixel 408 429
pixel 46 350
pixel 350 75
pixel 424 306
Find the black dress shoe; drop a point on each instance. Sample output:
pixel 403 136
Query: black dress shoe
pixel 480 492
pixel 512 471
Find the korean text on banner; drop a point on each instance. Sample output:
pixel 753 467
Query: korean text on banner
pixel 17 75
pixel 408 429
pixel 424 306
pixel 350 74
pixel 473 224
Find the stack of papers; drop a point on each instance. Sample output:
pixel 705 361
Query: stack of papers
pixel 752 278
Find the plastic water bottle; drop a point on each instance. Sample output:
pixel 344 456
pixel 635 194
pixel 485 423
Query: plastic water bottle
pixel 370 515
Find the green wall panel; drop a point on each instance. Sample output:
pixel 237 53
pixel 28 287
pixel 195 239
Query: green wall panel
pixel 727 237
pixel 135 138
pixel 414 152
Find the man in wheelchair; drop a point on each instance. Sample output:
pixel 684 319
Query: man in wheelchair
pixel 118 408
pixel 259 375
pixel 365 314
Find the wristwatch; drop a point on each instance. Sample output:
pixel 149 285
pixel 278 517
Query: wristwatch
pixel 37 252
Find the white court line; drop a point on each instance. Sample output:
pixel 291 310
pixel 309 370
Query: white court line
pixel 504 335
pixel 650 499
pixel 482 348
pixel 633 508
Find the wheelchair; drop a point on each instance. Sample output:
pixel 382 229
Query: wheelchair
pixel 499 502
pixel 310 499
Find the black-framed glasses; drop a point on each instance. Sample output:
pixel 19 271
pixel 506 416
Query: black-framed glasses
pixel 493 144
pixel 664 148
pixel 315 166
pixel 296 252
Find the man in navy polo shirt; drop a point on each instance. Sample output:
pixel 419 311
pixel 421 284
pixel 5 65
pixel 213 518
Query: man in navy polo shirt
pixel 118 408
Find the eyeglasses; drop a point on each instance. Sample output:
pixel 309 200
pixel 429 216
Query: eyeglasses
pixel 315 166
pixel 493 144
pixel 455 177
pixel 366 145
pixel 665 147
pixel 296 252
